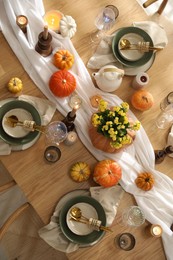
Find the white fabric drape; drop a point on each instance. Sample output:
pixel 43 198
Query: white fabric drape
pixel 156 203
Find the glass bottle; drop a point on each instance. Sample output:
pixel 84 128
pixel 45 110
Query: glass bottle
pixel 160 154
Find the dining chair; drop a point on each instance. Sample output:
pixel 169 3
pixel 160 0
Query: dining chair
pixel 161 7
pixel 19 225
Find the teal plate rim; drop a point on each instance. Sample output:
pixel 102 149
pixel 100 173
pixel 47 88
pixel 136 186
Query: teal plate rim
pixel 119 34
pixel 28 107
pixel 86 239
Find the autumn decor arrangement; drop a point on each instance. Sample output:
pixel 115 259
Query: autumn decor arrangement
pixel 80 171
pixel 107 173
pixel 142 100
pixel 63 59
pixel 145 181
pixel 62 83
pixel 111 129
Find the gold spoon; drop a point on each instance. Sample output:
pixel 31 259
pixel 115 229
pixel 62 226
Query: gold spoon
pixel 76 214
pixel 13 122
pixel 125 44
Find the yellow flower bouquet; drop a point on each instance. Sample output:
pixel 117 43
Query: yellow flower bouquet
pixel 112 129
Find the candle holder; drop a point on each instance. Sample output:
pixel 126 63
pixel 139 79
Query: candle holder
pixel 43 47
pixel 52 19
pixel 22 21
pixel 154 230
pixel 69 120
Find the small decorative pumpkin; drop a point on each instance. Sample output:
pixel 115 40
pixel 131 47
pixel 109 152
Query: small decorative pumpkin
pixel 145 181
pixel 142 100
pixel 63 59
pixel 68 26
pixel 62 83
pixel 107 173
pixel 80 171
pixel 15 85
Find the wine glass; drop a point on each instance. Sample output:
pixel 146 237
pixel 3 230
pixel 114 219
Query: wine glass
pixel 56 132
pixel 132 216
pixel 165 118
pixel 104 22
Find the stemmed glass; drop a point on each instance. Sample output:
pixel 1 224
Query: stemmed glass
pixel 132 216
pixel 165 118
pixel 104 22
pixel 56 132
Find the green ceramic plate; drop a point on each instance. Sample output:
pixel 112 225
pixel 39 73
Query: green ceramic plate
pixel 79 239
pixel 29 108
pixel 115 46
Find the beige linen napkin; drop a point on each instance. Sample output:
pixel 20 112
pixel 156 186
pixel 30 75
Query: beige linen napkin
pixel 46 110
pixel 104 56
pixel 109 198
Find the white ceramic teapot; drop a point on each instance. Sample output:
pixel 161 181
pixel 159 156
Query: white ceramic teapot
pixel 108 78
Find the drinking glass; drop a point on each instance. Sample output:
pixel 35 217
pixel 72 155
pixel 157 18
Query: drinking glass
pixel 104 22
pixel 165 118
pixel 125 241
pixel 132 216
pixel 56 132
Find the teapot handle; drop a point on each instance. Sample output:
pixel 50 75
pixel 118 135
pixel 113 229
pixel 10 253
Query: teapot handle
pixel 121 72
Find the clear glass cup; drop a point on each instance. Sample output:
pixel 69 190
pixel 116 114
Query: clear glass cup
pixel 125 241
pixel 132 216
pixel 165 119
pixel 104 21
pixel 56 132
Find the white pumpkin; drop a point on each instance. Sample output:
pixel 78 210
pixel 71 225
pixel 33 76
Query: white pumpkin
pixel 68 26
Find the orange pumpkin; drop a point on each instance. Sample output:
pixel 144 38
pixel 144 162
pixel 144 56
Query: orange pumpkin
pixel 63 59
pixel 62 83
pixel 107 173
pixel 142 100
pixel 145 181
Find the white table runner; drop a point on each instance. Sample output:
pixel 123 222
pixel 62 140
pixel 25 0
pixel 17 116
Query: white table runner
pixel 156 203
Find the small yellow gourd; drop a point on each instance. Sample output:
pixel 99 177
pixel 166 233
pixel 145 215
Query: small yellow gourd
pixel 15 85
pixel 80 171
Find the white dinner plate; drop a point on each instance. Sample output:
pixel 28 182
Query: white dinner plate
pixel 17 131
pixel 131 55
pixel 79 228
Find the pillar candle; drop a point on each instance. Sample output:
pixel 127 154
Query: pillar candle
pixel 140 81
pixel 71 138
pixel 52 19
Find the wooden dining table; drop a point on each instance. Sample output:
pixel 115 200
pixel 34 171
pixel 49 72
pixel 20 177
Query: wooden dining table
pixel 43 183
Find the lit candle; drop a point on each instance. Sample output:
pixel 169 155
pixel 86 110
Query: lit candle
pixel 71 138
pixel 75 100
pixel 95 101
pixel 140 81
pixel 73 112
pixel 52 19
pixel 22 22
pixel 154 230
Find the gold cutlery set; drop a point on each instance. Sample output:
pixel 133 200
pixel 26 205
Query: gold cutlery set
pixel 76 215
pixel 125 44
pixel 27 124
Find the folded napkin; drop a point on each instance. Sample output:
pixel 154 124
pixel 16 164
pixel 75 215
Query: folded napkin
pixel 170 140
pixel 104 56
pixel 109 198
pixel 46 110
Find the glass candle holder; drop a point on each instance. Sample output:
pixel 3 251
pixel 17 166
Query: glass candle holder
pixel 52 19
pixel 125 241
